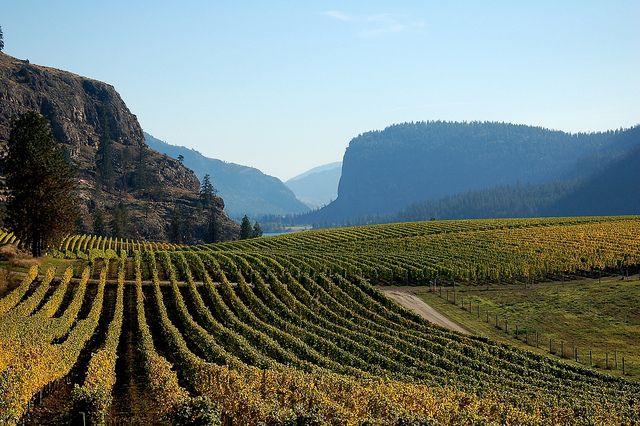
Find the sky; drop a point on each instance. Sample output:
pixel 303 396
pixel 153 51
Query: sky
pixel 285 85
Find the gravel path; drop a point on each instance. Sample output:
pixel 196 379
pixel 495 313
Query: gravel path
pixel 410 301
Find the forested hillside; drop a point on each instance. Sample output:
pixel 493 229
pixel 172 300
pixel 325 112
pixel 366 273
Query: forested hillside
pixel 245 190
pixel 478 169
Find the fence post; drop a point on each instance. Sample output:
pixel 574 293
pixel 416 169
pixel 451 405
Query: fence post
pixel 590 358
pixel 550 351
pixel 562 349
pixel 623 366
pixel 607 360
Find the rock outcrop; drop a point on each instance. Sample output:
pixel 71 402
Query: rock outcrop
pixel 88 115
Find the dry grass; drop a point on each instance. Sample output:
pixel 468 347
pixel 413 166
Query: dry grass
pixel 8 281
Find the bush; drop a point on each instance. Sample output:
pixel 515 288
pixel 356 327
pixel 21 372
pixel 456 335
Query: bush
pixel 8 251
pixel 24 262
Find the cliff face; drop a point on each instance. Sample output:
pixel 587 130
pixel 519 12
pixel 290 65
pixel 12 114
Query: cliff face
pixel 94 124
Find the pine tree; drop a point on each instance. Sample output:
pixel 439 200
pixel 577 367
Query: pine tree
pixel 99 227
pixel 176 226
pixel 1 40
pixel 207 191
pixel 245 228
pixel 181 158
pixel 104 155
pixel 42 206
pixel 257 230
pixel 120 222
pixel 141 175
pixel 212 227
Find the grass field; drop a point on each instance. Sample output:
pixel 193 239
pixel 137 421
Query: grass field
pixel 603 317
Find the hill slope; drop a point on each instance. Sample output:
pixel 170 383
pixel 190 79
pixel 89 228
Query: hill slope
pixel 385 171
pixel 85 115
pixel 318 186
pixel 246 190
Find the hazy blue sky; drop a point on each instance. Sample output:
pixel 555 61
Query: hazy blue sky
pixel 284 86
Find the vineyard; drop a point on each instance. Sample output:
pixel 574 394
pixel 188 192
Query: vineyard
pixel 290 330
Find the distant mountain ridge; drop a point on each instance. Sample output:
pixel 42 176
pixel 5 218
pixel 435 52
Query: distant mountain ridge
pixel 385 172
pixel 246 190
pixel 318 186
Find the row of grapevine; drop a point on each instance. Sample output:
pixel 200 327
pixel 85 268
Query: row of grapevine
pixel 44 347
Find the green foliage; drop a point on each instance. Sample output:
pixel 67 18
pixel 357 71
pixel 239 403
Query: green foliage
pixel 257 230
pixel 99 226
pixel 105 154
pixel 42 205
pixel 213 226
pixel 246 231
pixel 207 191
pixel 1 40
pixel 120 221
pixel 142 173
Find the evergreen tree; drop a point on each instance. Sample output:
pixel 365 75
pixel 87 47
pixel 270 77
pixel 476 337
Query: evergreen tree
pixel 212 227
pixel 181 158
pixel 207 191
pixel 99 227
pixel 245 228
pixel 176 226
pixel 141 176
pixel 257 230
pixel 120 221
pixel 1 40
pixel 42 207
pixel 104 155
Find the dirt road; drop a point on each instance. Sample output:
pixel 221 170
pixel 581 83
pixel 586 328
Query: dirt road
pixel 410 301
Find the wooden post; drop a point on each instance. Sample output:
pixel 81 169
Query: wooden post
pixel 623 366
pixel 562 349
pixel 606 360
pixel 537 340
pixel 590 358
pixel 516 331
pixel 575 353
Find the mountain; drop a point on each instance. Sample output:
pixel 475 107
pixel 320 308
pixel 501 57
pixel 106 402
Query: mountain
pixel 615 189
pixel 318 186
pixel 106 145
pixel 386 171
pixel 246 190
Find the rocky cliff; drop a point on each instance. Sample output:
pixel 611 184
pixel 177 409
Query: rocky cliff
pixel 106 144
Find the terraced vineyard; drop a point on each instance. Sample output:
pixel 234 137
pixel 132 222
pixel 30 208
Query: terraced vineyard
pixel 289 329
